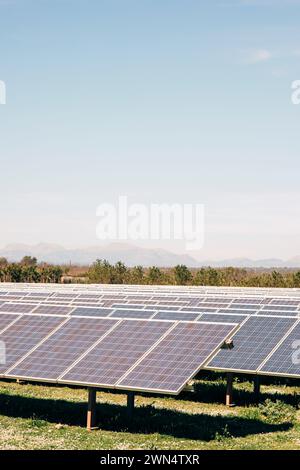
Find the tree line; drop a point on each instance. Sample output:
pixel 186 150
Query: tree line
pixel 28 270
pixel 103 272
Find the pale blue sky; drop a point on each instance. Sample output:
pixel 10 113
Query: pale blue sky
pixel 161 100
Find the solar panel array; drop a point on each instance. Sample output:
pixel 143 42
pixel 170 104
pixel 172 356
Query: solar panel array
pixel 54 344
pixel 268 320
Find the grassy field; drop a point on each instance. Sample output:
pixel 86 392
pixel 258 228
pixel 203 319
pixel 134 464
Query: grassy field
pixel 51 417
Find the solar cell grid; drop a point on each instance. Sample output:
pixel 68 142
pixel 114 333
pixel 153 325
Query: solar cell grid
pixel 285 302
pixel 25 334
pixel 89 296
pixel 52 309
pixel 62 348
pixel 278 308
pixel 84 302
pixel 91 311
pixel 162 306
pixel 252 343
pixel 176 358
pixel 108 361
pixel 38 294
pixel 280 313
pixel 237 311
pixel 65 295
pixel 184 316
pixel 286 359
pixel 247 301
pixel 222 318
pixel 245 307
pixel 126 313
pixel 199 309
pixel 6 319
pixel 17 307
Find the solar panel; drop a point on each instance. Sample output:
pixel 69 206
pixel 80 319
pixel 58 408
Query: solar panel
pixel 199 309
pixel 10 297
pixel 186 316
pixel 252 343
pixel 176 358
pixel 65 295
pixel 24 334
pixel 92 311
pixel 61 349
pixel 89 296
pixel 285 360
pixel 132 307
pixel 276 307
pixel 126 313
pixel 284 302
pixel 52 309
pixel 245 307
pixel 108 361
pixel 246 301
pixel 39 294
pixel 280 313
pixel 17 308
pixel 6 319
pixel 237 311
pixel 222 318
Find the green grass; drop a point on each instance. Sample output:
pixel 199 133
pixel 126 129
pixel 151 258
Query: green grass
pixel 51 417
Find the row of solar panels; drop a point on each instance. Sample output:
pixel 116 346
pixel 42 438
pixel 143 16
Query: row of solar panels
pixel 146 312
pixel 196 303
pixel 261 341
pixel 263 345
pixel 160 289
pixel 157 356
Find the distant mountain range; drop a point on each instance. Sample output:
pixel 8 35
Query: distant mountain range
pixel 131 255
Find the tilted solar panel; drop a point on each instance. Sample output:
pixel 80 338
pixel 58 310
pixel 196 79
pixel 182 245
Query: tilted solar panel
pixel 255 339
pixel 61 349
pixel 285 360
pixel 176 358
pixel 108 361
pixel 25 334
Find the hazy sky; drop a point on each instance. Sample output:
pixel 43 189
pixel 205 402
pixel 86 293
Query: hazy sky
pixel 169 101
